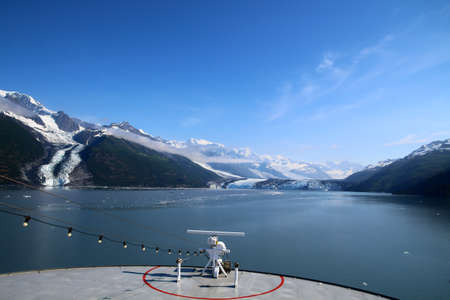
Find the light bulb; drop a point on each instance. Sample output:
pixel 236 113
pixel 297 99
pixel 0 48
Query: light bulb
pixel 100 239
pixel 125 245
pixel 25 222
pixel 69 232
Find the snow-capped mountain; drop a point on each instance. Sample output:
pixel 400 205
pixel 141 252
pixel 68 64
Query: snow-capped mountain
pixel 425 171
pixel 245 163
pixel 69 136
pixel 26 102
pixel 439 146
pixel 436 146
pixel 56 128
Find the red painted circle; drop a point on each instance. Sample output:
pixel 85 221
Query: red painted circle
pixel 205 298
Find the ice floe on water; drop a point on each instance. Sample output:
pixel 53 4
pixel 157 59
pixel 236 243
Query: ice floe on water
pixel 273 193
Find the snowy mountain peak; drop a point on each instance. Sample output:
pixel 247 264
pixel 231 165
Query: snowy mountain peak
pixel 123 125
pixel 381 164
pixel 127 127
pixel 25 101
pixel 431 147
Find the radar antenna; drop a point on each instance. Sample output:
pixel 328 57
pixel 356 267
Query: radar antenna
pixel 216 249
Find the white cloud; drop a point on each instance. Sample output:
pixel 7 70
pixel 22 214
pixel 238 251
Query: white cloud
pixel 326 63
pixel 336 78
pixel 291 96
pixel 281 106
pixel 375 49
pixel 338 109
pixel 427 59
pixel 330 76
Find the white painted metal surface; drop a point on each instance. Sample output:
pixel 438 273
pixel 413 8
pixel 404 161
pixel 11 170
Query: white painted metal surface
pixel 127 283
pixel 236 277
pixel 215 233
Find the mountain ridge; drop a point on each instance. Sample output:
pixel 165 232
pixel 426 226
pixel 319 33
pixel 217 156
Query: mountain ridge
pixel 63 131
pixel 67 144
pixel 424 171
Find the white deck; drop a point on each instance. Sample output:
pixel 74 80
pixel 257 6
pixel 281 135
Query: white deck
pixel 128 283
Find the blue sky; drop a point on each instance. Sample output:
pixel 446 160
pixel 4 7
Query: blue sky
pixel 315 81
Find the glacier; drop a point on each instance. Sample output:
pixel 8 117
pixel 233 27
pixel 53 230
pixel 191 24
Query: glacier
pixel 210 155
pixel 46 172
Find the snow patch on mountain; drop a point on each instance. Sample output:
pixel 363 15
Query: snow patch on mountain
pixel 218 172
pixel 381 164
pixel 433 146
pixel 260 174
pixel 143 132
pixel 49 130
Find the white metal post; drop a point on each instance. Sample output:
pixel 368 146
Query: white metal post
pixel 179 261
pixel 236 275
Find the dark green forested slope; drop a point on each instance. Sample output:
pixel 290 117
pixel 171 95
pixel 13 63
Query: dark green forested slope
pixel 117 162
pixel 17 147
pixel 437 185
pixel 426 175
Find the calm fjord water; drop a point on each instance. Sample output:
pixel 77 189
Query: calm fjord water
pixel 395 245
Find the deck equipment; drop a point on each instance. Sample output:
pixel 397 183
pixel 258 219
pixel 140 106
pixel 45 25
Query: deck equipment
pixel 216 249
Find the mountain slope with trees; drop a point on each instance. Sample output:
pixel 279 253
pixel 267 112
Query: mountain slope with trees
pixel 423 172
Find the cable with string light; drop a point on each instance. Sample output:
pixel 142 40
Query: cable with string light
pixel 122 219
pixel 27 219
